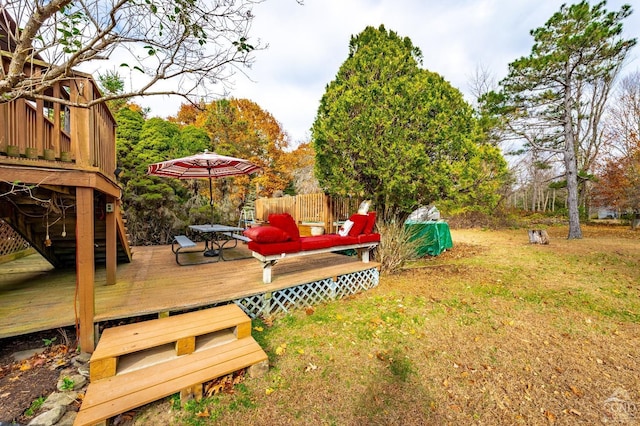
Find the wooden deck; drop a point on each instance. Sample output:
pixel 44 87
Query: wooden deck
pixel 35 297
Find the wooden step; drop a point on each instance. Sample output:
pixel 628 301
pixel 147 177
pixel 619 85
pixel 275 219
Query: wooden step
pixel 185 332
pixel 140 363
pixel 117 394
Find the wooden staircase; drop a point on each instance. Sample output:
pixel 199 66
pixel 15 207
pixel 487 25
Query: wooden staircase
pixel 46 217
pixel 140 363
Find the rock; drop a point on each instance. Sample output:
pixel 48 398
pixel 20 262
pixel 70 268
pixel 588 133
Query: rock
pixel 68 419
pixel 78 381
pixel 49 418
pixel 84 370
pixel 26 354
pixel 59 398
pixel 259 369
pixel 83 358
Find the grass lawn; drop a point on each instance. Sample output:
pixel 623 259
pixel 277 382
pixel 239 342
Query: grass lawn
pixel 495 331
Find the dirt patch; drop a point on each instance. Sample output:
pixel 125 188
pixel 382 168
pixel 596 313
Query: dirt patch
pixel 22 382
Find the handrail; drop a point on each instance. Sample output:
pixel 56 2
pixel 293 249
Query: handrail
pixel 53 132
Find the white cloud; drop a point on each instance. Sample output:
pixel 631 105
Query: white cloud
pixel 307 45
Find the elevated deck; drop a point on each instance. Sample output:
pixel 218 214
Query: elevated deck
pixel 35 297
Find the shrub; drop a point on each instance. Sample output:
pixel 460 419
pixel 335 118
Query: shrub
pixel 395 247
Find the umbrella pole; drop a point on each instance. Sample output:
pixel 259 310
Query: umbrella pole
pixel 211 252
pixel 211 196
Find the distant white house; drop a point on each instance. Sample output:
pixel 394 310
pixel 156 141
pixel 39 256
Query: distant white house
pixel 608 213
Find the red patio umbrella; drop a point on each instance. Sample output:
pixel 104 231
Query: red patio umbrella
pixel 205 165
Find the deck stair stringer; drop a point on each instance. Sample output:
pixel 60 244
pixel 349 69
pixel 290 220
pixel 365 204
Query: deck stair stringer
pixel 136 364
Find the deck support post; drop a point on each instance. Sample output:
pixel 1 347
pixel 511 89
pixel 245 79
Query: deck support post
pixel 111 243
pixel 85 266
pixel 266 271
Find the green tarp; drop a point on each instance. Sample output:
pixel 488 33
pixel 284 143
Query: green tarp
pixel 434 237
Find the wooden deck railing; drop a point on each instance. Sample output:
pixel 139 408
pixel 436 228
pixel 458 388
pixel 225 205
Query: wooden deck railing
pixel 310 209
pixel 56 134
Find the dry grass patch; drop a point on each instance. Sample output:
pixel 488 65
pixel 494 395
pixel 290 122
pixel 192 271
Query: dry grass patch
pixel 495 331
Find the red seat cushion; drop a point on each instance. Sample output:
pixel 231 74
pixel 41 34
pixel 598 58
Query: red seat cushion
pixel 369 238
pixel 345 241
pixel 359 222
pixel 266 234
pixel 285 222
pixel 316 243
pixel 274 248
pixel 371 223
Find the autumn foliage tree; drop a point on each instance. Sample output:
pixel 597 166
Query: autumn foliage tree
pixel 618 183
pixel 240 128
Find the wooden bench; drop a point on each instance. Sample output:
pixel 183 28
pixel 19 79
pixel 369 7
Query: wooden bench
pixel 180 247
pixel 237 236
pixel 268 261
pixel 140 363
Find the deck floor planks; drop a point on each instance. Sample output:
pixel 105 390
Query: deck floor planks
pixel 33 297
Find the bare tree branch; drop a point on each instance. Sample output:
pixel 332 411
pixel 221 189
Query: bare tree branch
pixel 196 46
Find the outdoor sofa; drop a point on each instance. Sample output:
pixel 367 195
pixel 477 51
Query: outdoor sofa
pixel 281 238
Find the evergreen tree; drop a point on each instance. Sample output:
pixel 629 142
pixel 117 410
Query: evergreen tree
pixel 553 98
pixel 402 135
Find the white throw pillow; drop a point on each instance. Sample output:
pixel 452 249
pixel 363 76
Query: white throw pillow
pixel 345 228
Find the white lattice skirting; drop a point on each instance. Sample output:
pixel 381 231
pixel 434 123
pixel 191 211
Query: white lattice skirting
pixel 304 295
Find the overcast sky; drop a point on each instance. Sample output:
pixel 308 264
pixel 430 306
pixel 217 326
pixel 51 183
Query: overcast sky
pixel 308 44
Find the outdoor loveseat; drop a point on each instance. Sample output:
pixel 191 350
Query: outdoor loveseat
pixel 281 238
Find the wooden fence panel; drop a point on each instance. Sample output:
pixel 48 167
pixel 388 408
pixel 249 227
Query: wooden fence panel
pixel 310 208
pixel 267 206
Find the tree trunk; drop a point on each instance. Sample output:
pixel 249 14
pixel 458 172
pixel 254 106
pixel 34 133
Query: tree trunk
pixel 571 163
pixel 538 236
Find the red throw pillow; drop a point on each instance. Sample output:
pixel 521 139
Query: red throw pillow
pixel 266 234
pixel 285 222
pixel 371 223
pixel 359 222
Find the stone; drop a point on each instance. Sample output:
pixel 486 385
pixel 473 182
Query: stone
pixel 83 358
pixel 49 418
pixel 59 398
pixel 26 354
pixel 68 419
pixel 259 369
pixel 84 370
pixel 78 381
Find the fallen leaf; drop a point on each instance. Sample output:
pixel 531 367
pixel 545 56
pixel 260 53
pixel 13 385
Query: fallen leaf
pixel 309 310
pixel 204 413
pixel 576 391
pixel 550 417
pixel 257 328
pixel 268 391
